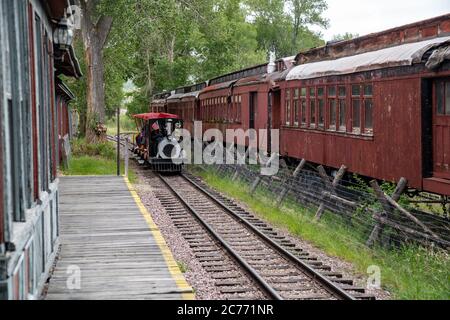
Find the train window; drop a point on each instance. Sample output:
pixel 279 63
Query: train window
pixel 356 108
pixel 303 112
pixel 356 90
pixel 342 92
pixel 447 98
pixel 288 107
pixel 332 114
pixel 368 90
pixel 320 91
pixel 332 91
pixel 321 107
pixel 312 107
pixel 342 112
pixel 296 110
pixel 368 112
pixel 440 98
pixel 356 115
pixel 303 92
pixel 368 109
pixel 321 113
pixel 443 98
pixel 239 108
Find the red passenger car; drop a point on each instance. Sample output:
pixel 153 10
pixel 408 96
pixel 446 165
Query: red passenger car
pixel 240 100
pixel 379 104
pixel 159 102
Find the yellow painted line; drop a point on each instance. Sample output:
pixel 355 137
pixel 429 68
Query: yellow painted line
pixel 174 270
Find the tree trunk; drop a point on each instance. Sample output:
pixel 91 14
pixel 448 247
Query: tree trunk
pixel 94 39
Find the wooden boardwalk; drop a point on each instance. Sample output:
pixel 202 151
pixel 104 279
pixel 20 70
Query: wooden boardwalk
pixel 107 234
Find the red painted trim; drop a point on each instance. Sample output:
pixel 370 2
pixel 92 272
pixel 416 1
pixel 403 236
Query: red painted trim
pixel 33 102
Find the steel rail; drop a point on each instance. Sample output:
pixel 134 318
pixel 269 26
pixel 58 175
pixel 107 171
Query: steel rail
pixel 325 282
pixel 270 291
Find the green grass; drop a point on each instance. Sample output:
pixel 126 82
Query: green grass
pixel 95 159
pixel 408 273
pixel 126 125
pixel 182 266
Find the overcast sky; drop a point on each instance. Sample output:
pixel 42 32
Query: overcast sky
pixel 367 16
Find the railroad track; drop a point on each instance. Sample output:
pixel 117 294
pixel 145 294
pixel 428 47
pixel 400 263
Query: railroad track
pixel 246 257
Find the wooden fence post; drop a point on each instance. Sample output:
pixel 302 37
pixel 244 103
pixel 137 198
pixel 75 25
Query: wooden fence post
pixel 391 202
pixel 378 228
pixel 330 186
pixel 259 178
pixel 287 186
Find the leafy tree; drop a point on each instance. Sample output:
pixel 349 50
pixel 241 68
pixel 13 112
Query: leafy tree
pixel 161 45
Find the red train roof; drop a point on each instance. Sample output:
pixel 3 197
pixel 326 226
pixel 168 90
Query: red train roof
pixel 156 116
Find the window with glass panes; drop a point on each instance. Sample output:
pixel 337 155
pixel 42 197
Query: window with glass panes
pixel 303 106
pixel 356 108
pixel 332 107
pixel 362 108
pixel 342 95
pixel 287 109
pixel 296 105
pixel 312 107
pixel 443 98
pixel 321 107
pixel 368 109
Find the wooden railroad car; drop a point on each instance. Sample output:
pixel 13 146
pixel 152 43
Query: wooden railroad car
pixel 159 102
pixel 378 104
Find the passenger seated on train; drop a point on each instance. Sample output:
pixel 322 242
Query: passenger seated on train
pixel 140 138
pixel 156 137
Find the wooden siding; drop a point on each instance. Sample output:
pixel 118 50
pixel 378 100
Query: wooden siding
pixel 394 150
pixel 28 139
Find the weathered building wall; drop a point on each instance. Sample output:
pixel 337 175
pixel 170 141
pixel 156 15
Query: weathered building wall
pixel 29 142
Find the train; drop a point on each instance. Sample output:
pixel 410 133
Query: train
pixel 378 104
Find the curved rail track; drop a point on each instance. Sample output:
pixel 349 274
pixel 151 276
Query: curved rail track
pixel 248 258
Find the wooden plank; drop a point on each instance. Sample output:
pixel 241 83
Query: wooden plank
pixel 104 234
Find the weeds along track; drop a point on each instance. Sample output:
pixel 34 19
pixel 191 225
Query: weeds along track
pixel 248 259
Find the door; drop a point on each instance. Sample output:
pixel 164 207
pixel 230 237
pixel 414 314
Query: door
pixel 441 129
pixel 252 109
pixel 275 112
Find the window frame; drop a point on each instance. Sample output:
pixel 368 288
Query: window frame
pixel 287 107
pixel 312 124
pixel 296 110
pixel 365 130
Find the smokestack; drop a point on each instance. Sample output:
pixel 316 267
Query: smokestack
pixel 271 67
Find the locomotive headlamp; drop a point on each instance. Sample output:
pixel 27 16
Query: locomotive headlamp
pixel 63 34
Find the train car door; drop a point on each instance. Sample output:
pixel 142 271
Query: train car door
pixel 275 112
pixel 441 129
pixel 252 109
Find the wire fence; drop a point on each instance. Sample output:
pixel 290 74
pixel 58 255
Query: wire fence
pixel 375 215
